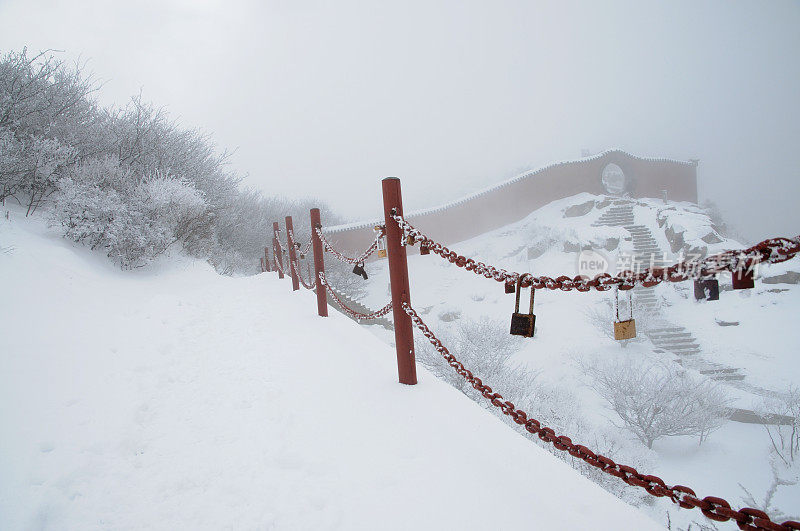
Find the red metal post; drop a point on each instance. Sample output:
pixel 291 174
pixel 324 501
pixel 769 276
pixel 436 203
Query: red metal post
pixel 398 276
pixel 266 259
pixel 319 263
pixel 292 254
pixel 277 249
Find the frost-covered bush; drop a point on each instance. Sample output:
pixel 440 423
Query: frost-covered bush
pixel 484 346
pixel 658 400
pixel 128 180
pixel 104 206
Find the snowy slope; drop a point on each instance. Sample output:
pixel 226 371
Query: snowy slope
pixel 174 398
pixel 762 346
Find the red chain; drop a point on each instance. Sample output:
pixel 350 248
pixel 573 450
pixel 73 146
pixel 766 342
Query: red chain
pixel 712 507
pixel 342 258
pixel 279 266
pixel 772 251
pixel 307 246
pixel 296 270
pixel 351 312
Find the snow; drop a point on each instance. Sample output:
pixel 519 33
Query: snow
pixel 763 346
pixel 174 398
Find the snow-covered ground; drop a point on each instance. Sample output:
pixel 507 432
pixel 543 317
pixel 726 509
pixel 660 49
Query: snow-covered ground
pixel 175 398
pixel 763 345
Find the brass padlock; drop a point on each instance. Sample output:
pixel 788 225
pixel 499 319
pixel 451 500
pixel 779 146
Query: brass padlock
pixel 359 270
pixel 409 240
pixel 707 290
pixel 424 249
pixel 742 278
pixel 624 329
pixel 381 248
pixel 523 324
pixel 302 256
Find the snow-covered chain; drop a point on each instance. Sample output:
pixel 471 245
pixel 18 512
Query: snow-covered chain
pixel 296 270
pixel 351 312
pixel 712 507
pixel 771 251
pixel 342 258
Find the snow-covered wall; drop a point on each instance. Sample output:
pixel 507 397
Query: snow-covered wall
pixel 514 199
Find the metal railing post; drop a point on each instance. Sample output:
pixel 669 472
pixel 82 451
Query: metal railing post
pixel 398 276
pixel 319 263
pixel 276 249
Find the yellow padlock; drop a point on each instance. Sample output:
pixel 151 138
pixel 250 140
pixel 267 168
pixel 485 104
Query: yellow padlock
pixel 624 329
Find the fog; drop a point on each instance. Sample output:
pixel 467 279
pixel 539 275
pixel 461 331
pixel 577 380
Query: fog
pixel 326 98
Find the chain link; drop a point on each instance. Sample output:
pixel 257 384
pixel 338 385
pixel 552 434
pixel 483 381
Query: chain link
pixel 307 246
pixel 714 508
pixel 351 312
pixel 342 258
pixel 771 251
pixel 297 271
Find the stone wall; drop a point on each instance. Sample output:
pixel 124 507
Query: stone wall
pixel 515 199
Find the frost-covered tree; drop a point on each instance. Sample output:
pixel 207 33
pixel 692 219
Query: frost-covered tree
pixel 128 180
pixel 658 400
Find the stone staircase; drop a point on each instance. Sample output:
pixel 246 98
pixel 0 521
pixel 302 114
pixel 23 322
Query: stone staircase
pixel 667 338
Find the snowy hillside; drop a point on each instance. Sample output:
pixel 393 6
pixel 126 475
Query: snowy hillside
pixel 742 346
pixel 175 398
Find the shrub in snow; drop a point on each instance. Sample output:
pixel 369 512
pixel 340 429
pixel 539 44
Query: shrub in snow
pixel 483 346
pixel 781 420
pixel 658 400
pixel 102 205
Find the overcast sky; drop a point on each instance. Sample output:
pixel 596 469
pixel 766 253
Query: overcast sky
pixel 326 98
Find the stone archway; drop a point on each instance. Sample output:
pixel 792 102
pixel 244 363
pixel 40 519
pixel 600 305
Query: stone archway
pixel 614 180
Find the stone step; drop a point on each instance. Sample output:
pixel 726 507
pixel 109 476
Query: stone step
pixel 669 335
pixel 728 377
pixel 672 347
pixel 667 330
pixel 686 352
pixel 721 370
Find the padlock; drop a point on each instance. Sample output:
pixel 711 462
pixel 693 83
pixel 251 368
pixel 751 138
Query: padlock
pixel 302 256
pixel 409 240
pixel 523 324
pixel 381 248
pixel 381 253
pixel 742 278
pixel 510 286
pixel 359 270
pixel 624 329
pixel 707 290
pixel 424 249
